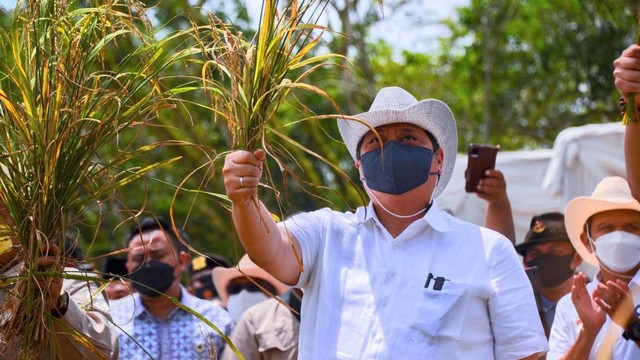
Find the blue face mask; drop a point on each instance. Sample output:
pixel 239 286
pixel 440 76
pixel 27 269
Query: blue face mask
pixel 396 168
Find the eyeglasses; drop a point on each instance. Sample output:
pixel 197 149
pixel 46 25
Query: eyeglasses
pixel 239 284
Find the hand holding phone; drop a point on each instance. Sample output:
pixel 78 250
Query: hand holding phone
pixel 480 159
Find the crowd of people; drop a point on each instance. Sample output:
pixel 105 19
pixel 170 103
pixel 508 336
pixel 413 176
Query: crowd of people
pixel 398 278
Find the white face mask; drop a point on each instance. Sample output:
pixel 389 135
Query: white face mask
pixel 617 250
pixel 238 303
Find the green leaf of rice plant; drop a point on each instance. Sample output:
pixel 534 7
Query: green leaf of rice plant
pixel 67 94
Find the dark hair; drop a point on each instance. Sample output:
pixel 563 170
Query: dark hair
pixel 149 224
pixel 434 142
pixel 114 267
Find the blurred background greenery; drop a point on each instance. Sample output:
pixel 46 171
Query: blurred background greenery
pixel 514 73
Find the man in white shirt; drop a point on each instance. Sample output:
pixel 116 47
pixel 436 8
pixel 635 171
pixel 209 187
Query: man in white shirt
pixel 399 278
pixel 599 319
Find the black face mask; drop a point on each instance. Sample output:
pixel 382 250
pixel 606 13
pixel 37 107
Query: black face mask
pixel 553 269
pixel 152 278
pixel 206 290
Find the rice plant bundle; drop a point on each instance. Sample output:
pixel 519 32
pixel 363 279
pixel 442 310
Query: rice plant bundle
pixel 249 80
pixel 59 106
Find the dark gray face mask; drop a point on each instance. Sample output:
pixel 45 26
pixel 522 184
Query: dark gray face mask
pixel 396 168
pixel 153 278
pixel 553 269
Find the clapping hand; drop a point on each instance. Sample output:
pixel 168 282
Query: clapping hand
pixel 590 313
pixel 614 298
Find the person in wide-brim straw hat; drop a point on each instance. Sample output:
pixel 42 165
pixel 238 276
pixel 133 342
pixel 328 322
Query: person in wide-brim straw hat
pixel 612 193
pixel 605 230
pixel 223 276
pixel 395 105
pixel 399 277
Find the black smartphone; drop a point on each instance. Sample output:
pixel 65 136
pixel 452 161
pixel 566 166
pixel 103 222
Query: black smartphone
pixel 481 157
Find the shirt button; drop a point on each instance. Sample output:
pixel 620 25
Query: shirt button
pixel 392 273
pixel 395 246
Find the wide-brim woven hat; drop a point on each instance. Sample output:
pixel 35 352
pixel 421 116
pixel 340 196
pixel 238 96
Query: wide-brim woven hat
pixel 395 105
pixel 611 193
pixel 222 276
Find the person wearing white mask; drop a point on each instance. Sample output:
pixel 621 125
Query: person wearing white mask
pixel 399 278
pixel 600 319
pixel 244 285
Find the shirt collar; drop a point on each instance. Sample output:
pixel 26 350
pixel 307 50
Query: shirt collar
pixel 185 298
pixel 138 306
pixel 366 213
pixel 435 217
pixel 188 300
pixel 545 303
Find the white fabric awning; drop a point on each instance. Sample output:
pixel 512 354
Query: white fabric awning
pixel 540 181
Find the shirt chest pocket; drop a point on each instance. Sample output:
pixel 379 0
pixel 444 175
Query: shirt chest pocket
pixel 441 313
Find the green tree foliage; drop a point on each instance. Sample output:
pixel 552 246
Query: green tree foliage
pixel 205 216
pixel 513 72
pixel 516 73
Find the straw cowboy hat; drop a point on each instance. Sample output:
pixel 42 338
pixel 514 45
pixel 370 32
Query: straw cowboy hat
pixel 395 105
pixel 612 193
pixel 222 276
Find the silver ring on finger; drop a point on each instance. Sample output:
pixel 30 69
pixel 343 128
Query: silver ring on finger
pixel 241 181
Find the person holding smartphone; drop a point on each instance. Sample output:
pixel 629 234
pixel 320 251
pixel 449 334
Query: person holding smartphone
pixel 599 320
pixel 493 189
pixel 399 278
pixel 489 184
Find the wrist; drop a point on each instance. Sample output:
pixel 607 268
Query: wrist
pixel 500 203
pixel 589 334
pixel 632 332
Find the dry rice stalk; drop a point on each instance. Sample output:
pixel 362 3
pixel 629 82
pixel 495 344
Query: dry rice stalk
pixel 59 106
pixel 249 80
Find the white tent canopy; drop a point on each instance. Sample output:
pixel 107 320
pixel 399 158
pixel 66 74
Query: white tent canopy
pixel 540 181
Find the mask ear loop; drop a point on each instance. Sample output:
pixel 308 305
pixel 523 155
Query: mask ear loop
pixel 405 216
pixel 394 214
